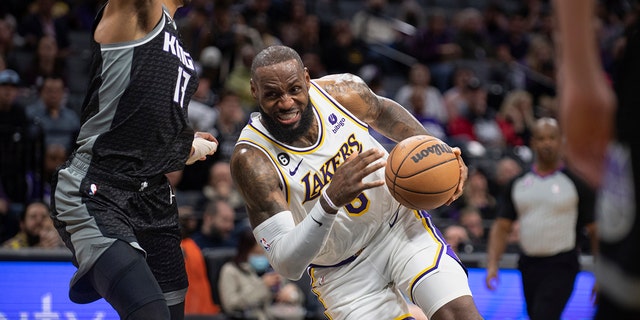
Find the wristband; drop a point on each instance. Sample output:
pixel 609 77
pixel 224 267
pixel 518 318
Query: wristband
pixel 329 202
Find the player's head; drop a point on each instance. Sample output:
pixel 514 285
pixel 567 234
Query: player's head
pixel 280 84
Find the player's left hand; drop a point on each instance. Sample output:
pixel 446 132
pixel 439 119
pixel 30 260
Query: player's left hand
pixel 464 171
pixel 204 144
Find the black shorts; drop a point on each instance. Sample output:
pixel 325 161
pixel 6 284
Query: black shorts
pixel 92 210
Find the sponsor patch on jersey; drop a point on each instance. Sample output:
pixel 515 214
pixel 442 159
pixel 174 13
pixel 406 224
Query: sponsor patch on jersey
pixel 337 124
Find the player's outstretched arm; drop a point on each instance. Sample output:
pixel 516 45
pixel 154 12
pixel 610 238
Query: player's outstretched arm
pixel 587 102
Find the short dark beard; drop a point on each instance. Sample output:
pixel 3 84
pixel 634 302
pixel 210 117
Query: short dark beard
pixel 289 134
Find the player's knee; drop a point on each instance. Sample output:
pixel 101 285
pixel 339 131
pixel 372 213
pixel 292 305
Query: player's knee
pixel 121 275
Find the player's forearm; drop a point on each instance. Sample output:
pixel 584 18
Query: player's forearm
pixel 579 55
pixel 291 248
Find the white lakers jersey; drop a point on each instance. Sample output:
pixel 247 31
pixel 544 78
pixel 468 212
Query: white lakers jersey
pixel 306 171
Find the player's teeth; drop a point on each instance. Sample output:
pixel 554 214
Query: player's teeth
pixel 287 116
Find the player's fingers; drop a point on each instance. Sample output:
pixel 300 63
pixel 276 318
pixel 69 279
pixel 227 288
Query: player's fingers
pixel 373 184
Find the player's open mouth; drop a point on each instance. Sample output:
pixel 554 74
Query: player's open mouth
pixel 289 117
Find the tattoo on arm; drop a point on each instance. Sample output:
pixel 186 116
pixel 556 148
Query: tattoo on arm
pixel 384 115
pixel 395 122
pixel 258 183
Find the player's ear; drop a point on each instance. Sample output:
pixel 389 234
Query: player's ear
pixel 254 94
pixel 307 77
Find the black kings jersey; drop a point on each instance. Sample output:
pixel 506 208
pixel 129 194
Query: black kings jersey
pixel 134 116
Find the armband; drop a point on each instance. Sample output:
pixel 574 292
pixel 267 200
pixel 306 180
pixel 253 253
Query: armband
pixel 289 247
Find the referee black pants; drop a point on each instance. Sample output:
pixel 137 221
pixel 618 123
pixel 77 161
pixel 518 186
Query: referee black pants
pixel 547 283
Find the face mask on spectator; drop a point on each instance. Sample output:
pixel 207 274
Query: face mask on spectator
pixel 259 263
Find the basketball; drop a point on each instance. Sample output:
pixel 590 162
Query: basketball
pixel 422 172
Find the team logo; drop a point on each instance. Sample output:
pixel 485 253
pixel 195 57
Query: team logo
pixel 265 244
pixel 283 158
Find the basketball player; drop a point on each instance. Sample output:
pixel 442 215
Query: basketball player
pixel 113 205
pixel 601 145
pixel 313 180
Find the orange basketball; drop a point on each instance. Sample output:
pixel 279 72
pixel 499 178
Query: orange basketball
pixel 422 172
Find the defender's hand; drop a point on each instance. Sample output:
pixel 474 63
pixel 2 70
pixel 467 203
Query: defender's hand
pixel 204 144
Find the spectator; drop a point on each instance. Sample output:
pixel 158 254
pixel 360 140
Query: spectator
pixel 424 100
pixel 471 35
pixel 188 220
pixel 249 289
pixel 506 169
pixel 434 46
pixel 54 156
pixel 377 30
pixel 471 219
pixel 8 45
pixel 15 142
pixel 198 300
pixel 218 224
pixel 195 29
pixel 229 119
pixel 553 206
pixel 540 61
pixel 232 116
pixel 343 51
pixel 516 39
pixel 516 118
pixel 36 229
pixel 476 194
pixel 239 78
pixel 456 237
pixel 456 98
pixel 479 124
pixel 202 115
pixel 210 78
pixel 313 61
pixel 221 186
pixel 59 123
pixel 42 22
pixel 45 63
pixel 9 224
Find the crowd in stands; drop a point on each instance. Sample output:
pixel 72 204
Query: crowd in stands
pixel 475 73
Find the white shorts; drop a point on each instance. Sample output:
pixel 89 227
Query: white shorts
pixel 407 258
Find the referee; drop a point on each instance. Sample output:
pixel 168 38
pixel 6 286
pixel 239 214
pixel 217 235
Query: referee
pixel 553 207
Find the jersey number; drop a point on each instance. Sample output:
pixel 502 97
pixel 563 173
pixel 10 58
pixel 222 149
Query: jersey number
pixel 358 206
pixel 181 86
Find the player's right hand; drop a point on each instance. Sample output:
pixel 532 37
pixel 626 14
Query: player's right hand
pixel 347 182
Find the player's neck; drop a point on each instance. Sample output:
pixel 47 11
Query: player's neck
pixel 308 139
